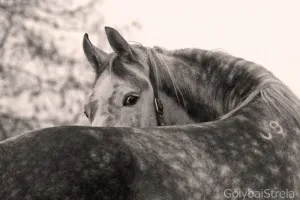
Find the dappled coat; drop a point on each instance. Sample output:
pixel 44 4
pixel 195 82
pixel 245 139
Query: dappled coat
pixel 238 134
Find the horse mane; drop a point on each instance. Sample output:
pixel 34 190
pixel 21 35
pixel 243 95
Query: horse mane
pixel 155 60
pixel 276 95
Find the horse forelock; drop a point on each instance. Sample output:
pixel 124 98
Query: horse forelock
pixel 120 67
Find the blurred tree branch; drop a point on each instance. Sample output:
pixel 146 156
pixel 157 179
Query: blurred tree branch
pixel 43 81
pixel 27 48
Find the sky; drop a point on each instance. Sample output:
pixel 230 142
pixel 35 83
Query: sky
pixel 263 31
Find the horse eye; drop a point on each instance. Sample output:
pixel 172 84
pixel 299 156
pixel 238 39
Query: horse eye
pixel 130 100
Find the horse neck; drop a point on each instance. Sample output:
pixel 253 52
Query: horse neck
pixel 270 111
pixel 209 84
pixel 174 114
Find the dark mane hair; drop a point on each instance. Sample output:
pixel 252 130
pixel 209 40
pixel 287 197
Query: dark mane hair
pixel 243 80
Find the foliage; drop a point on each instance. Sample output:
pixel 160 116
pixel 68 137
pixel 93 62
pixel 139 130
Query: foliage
pixel 44 76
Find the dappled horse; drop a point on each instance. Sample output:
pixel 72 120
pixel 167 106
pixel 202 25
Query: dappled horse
pixel 182 124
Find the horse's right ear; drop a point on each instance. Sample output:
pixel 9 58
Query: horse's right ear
pixel 94 55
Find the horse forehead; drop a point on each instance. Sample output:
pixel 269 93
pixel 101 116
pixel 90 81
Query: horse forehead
pixel 104 86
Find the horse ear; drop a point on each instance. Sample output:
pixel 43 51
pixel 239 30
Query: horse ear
pixel 94 55
pixel 118 43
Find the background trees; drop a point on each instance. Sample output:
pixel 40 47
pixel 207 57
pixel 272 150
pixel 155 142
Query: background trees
pixel 43 75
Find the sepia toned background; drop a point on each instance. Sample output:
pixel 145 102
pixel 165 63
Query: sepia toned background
pixel 44 77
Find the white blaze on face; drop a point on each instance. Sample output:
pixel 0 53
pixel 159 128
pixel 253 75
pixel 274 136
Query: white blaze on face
pixel 102 92
pixel 104 87
pixel 99 120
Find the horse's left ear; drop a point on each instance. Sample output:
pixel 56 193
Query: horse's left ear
pixel 118 43
pixel 94 55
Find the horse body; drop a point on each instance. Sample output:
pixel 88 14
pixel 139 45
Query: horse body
pixel 183 162
pixel 237 132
